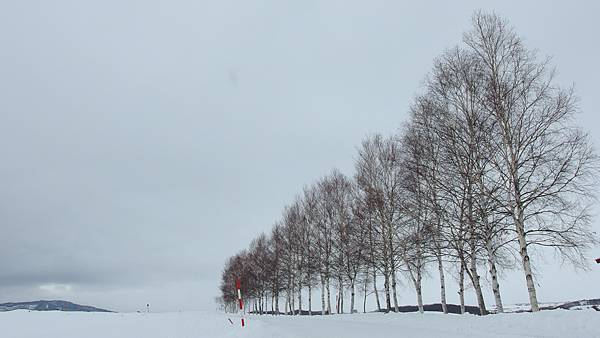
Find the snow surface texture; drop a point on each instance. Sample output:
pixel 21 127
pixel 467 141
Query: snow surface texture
pixel 557 323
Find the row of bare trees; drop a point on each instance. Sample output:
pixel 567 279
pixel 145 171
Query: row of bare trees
pixel 488 169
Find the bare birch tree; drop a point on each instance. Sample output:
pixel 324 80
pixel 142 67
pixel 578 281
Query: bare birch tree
pixel 379 176
pixel 546 162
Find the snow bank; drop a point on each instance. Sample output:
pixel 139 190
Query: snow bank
pixel 558 323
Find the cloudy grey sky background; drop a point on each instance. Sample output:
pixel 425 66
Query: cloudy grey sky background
pixel 143 142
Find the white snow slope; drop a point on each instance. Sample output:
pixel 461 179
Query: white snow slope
pixel 557 323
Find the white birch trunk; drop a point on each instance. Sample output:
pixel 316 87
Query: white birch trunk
pixel 299 296
pixel 525 259
pixel 328 297
pixel 309 299
pixel 477 286
pixel 322 295
pixel 494 275
pixel 442 282
pixel 461 287
pixel 352 296
pixel 375 289
pixel 419 291
pixel 341 295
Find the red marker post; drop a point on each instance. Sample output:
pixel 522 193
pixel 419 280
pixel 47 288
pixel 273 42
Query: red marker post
pixel 238 286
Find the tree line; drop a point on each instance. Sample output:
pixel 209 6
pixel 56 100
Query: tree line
pixel 489 169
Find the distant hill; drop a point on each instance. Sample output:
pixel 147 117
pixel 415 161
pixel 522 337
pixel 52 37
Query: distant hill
pixel 49 305
pixel 577 305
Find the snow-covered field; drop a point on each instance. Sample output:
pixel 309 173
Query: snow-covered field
pixel 558 323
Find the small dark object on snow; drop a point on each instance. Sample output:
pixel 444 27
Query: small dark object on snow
pixel 598 260
pixel 229 319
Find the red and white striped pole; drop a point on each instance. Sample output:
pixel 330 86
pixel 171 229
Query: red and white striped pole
pixel 238 286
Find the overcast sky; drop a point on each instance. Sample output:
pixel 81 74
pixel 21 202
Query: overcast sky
pixel 143 142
